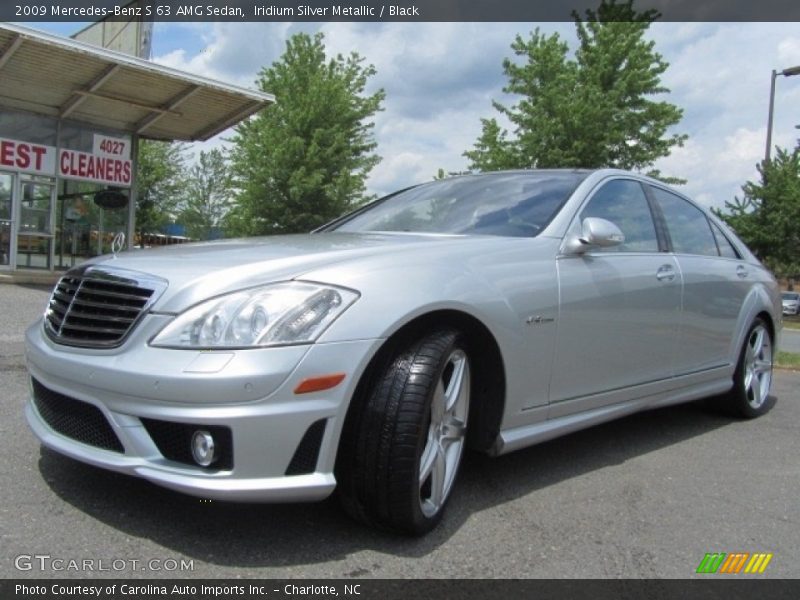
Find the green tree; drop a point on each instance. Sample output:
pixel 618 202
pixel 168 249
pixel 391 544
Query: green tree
pixel 593 110
pixel 493 150
pixel 304 160
pixel 767 217
pixel 160 172
pixel 207 195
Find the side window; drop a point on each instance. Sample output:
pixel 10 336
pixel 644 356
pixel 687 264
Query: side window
pixel 726 249
pixel 688 226
pixel 623 202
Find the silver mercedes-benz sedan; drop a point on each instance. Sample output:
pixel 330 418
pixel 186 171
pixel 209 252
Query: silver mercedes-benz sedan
pixel 491 311
pixel 791 303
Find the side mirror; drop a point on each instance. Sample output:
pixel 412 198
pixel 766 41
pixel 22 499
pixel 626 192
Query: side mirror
pixel 598 233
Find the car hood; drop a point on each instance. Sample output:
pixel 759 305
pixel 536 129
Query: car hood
pixel 195 272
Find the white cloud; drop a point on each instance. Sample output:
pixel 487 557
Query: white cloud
pixel 745 144
pixel 789 52
pixel 720 76
pixel 230 52
pixel 411 165
pixel 440 79
pixel 716 168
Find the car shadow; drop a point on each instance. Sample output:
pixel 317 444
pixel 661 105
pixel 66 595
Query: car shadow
pixel 275 535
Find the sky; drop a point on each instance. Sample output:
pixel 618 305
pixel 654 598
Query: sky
pixel 440 80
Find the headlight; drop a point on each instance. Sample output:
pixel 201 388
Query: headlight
pixel 271 315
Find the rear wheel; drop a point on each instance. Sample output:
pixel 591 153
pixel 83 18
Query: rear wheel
pixel 404 438
pixel 752 379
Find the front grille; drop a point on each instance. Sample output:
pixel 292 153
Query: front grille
pixel 75 419
pixel 174 441
pixel 97 308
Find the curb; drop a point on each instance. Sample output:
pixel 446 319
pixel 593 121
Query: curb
pixel 43 278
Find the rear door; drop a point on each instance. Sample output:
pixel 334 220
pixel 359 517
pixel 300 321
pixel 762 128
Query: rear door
pixel 715 284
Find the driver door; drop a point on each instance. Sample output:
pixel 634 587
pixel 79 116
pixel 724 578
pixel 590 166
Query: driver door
pixel 620 307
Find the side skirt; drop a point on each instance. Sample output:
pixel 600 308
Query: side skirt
pixel 528 435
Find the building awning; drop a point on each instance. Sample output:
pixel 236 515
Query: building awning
pixel 59 77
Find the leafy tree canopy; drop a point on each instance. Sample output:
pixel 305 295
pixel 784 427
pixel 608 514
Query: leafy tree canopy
pixel 767 217
pixel 160 172
pixel 304 160
pixel 593 110
pixel 207 196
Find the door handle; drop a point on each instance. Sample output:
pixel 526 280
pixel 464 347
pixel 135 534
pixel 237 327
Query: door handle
pixel 665 273
pixel 741 272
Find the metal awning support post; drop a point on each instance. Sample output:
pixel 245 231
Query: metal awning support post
pixel 133 191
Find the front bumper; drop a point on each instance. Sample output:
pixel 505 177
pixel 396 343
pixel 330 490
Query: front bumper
pixel 248 391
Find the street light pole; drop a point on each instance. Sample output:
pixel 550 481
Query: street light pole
pixel 786 73
pixel 769 118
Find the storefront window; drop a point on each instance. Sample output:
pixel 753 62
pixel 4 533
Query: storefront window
pixel 84 228
pixel 6 180
pixel 6 183
pixel 64 190
pixel 29 127
pixel 35 233
pixel 35 207
pixel 76 136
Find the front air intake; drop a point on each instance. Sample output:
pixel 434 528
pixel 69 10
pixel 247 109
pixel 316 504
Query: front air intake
pixel 306 455
pixel 75 419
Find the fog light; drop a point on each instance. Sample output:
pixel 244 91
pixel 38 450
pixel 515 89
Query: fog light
pixel 203 448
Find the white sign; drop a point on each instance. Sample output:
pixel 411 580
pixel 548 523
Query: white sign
pixel 114 169
pixel 27 157
pixel 73 164
pixel 111 147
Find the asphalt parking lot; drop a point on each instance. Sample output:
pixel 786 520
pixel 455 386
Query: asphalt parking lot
pixel 643 497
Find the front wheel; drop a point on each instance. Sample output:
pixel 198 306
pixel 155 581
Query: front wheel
pixel 404 437
pixel 752 379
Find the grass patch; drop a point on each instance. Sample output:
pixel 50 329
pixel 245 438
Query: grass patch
pixel 791 323
pixel 788 360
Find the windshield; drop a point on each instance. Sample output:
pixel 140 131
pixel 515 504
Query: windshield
pixel 516 204
pixel 790 296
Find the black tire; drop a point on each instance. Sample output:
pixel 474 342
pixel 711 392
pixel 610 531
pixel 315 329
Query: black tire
pixel 749 398
pixel 389 429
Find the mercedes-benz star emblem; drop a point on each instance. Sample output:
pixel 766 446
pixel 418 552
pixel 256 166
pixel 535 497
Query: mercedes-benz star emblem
pixel 118 244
